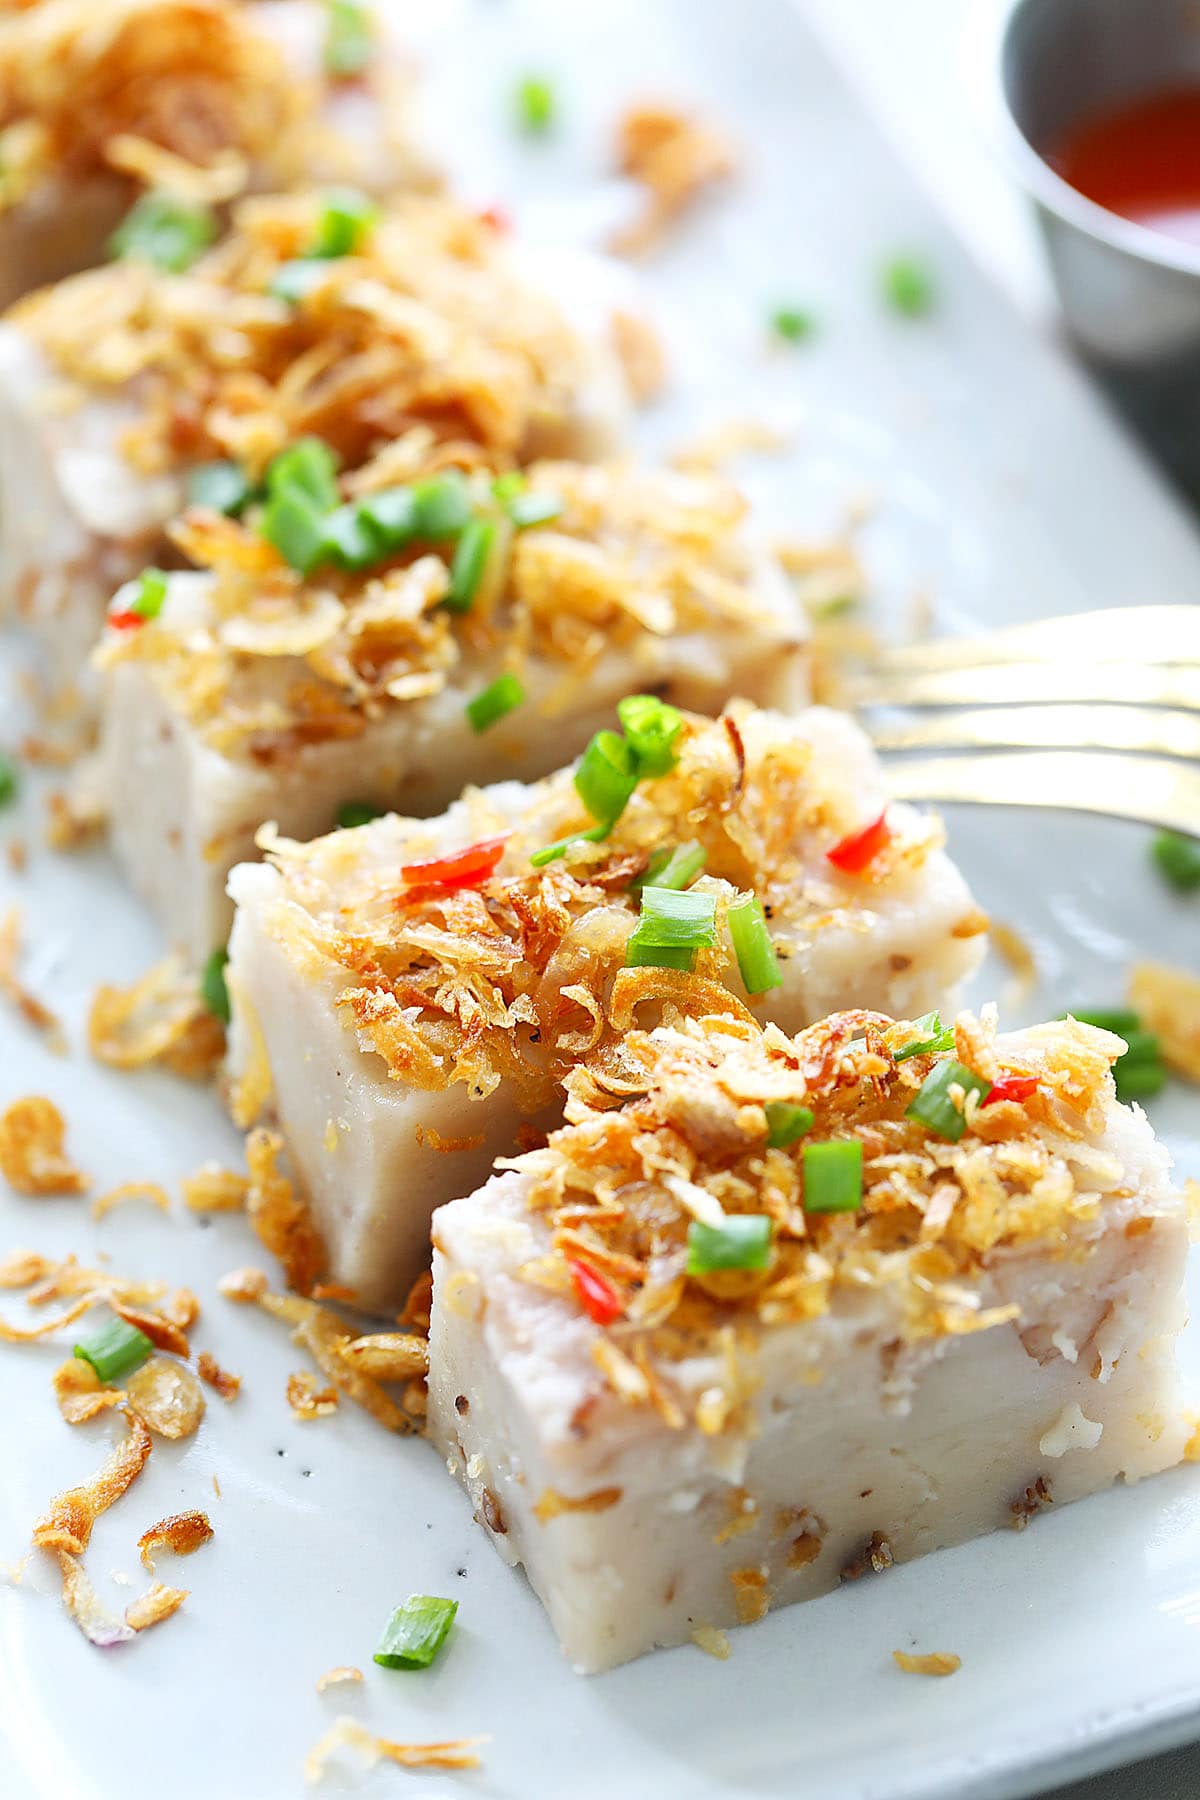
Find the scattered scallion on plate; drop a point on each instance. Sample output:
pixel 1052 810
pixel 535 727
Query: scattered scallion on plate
pixel 932 1037
pixel 147 603
pixel 934 1106
pixel 549 853
pixel 221 486
pixel 833 1176
pixel 741 1241
pixel 676 868
pixel 908 286
pixel 535 508
pixel 469 564
pixel 416 1632
pixel 9 782
pixel 496 701
pixel 345 218
pixel 1140 1072
pixel 164 231
pixel 792 324
pixel 536 107
pixel 652 729
pixel 1178 859
pixel 357 812
pixel 348 38
pixel 115 1350
pixel 294 281
pixel 606 776
pixel 213 989
pixel 787 1123
pixel 756 958
pixel 441 506
pixel 673 925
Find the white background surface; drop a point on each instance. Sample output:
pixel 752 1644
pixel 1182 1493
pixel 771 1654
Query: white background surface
pixel 986 460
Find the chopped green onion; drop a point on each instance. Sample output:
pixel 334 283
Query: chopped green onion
pixel 757 961
pixel 469 565
pixel 1178 859
pixel 349 539
pixel 606 776
pixel 535 105
pixel 310 465
pixel 147 603
pixel 641 955
pixel 933 1105
pixel 294 281
pixel 792 324
pixel 346 218
pixel 741 1241
pixel 507 486
pixel 357 812
pixel 908 286
pixel 1142 1047
pixel 348 38
pixel 1120 1021
pixel 8 780
pixel 213 990
pixel 932 1038
pixel 166 232
pixel 415 1632
pixel 115 1350
pixel 652 728
pixel 495 702
pixel 1139 1082
pixel 391 515
pixel 441 506
pixel 296 526
pixel 833 1176
pixel 220 486
pixel 786 1123
pixel 671 917
pixel 552 852
pixel 678 869
pixel 537 508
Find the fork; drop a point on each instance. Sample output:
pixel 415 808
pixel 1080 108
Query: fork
pixel 1094 712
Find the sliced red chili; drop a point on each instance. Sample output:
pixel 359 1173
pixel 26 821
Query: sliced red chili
pixel 855 852
pixel 466 868
pixel 126 620
pixel 1011 1087
pixel 496 217
pixel 598 1297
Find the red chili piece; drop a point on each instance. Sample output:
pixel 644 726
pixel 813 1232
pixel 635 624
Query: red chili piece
pixel 496 217
pixel 1012 1087
pixel 125 621
pixel 466 868
pixel 598 1298
pixel 855 852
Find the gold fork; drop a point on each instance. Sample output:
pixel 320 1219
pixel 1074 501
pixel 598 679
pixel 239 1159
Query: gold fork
pixel 1093 712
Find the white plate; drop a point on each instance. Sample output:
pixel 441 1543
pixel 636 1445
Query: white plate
pixel 1005 492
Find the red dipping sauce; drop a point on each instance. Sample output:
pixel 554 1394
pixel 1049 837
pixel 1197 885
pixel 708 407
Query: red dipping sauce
pixel 1141 160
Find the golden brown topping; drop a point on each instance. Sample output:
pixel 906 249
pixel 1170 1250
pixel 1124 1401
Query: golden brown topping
pixel 935 1662
pixel 168 1396
pixel 79 1393
pixel 1035 1499
pixel 84 1606
pixel 876 1555
pixel 182 1533
pixel 643 358
pixel 211 1372
pixel 13 990
pixel 282 1223
pixel 161 1018
pixel 244 1286
pixel 551 1504
pixel 751 1594
pixel 214 1189
pixel 67 1522
pixel 1169 1003
pixel 131 1190
pixel 32 1155
pixel 326 1338
pixel 306 1399
pixel 334 1677
pixel 388 1355
pixel 677 158
pixel 21 1268
pixel 155 1605
pixel 456 1753
pixel 711 1641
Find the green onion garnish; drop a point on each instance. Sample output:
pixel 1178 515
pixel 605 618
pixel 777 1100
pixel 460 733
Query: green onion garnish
pixel 639 955
pixel 163 231
pixel 310 465
pixel 792 324
pixel 757 961
pixel 933 1105
pixel 349 539
pixel 1178 859
pixel 441 506
pixel 296 526
pixel 833 1176
pixel 8 780
pixel 346 218
pixel 1140 1081
pixel 357 812
pixel 505 486
pixel 115 1350
pixel 1139 1072
pixel 678 868
pixel 294 281
pixel 147 603
pixel 1119 1020
pixel 415 1632
pixel 908 286
pixel 606 776
pixel 742 1241
pixel 932 1038
pixel 503 696
pixel 213 990
pixel 392 515
pixel 786 1123
pixel 535 105
pixel 672 927
pixel 469 564
pixel 220 486
pixel 348 38
pixel 536 508
pixel 652 727
pixel 552 852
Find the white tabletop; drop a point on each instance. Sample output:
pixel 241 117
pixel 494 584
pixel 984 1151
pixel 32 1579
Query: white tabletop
pixel 918 66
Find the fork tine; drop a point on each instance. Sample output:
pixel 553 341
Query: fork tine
pixel 1000 684
pixel 1149 789
pixel 1136 728
pixel 1149 634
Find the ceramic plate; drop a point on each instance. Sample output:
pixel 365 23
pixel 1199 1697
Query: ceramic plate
pixel 997 490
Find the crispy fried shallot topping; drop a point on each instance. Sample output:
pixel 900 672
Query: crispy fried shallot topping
pixel 33 1157
pixel 182 1533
